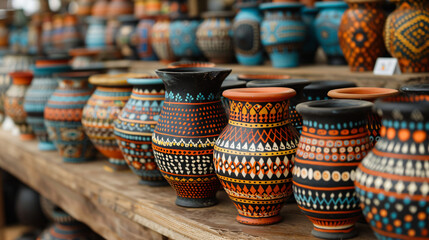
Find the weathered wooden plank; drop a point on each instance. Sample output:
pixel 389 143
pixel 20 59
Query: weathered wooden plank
pixel 116 207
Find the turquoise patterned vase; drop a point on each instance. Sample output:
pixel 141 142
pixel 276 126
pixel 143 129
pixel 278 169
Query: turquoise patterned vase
pixel 327 25
pixel 95 34
pixel 63 114
pixel 36 97
pixel 283 33
pixel 135 125
pixel 183 38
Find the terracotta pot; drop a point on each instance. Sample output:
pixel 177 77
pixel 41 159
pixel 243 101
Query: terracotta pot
pixel 362 43
pixel 160 40
pixel 257 190
pixel 63 114
pixel 405 39
pixel 14 103
pixel 183 148
pixel 318 90
pixel 102 110
pixel 369 94
pixel 391 181
pixel 191 64
pixel 252 77
pixel 135 125
pixel 214 37
pixel 333 141
pixel 120 7
pixel 100 8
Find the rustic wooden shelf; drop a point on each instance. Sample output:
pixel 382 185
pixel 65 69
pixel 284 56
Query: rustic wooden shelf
pixel 313 72
pixel 116 207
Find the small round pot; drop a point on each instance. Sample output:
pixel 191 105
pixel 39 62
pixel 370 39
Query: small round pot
pixel 144 43
pixel 14 103
pixel 333 141
pixel 369 94
pixel 135 125
pixel 191 64
pixel 63 114
pixel 417 89
pixel 160 40
pixel 283 45
pixel 297 85
pixel 183 38
pixel 327 25
pixel 214 37
pixel 102 110
pixel 318 90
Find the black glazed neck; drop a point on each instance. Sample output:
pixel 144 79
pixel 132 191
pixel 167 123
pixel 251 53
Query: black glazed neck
pixel 404 108
pixel 417 89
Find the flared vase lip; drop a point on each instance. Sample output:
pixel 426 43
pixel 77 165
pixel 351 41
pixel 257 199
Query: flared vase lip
pixel 416 106
pixel 290 83
pixel 188 64
pixel 114 80
pixel 75 75
pixel 416 89
pixel 191 70
pixel 364 93
pixel 252 77
pixel 333 4
pixel 334 107
pixel 267 94
pixel 149 80
pixel 276 5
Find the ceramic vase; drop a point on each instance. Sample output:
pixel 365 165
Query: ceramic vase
pixel 102 110
pixel 183 38
pixel 71 37
pixel 119 8
pixel 415 89
pixel 405 35
pixel 214 37
pixel 14 103
pixel 160 40
pixel 391 181
pixel 297 85
pixel 333 142
pixel 254 169
pixel 283 33
pixel 36 97
pixel 369 94
pixel 327 25
pixel 125 38
pixel 318 90
pixel 247 34
pixel 310 45
pixel 144 44
pixel 360 34
pixel 134 128
pixel 190 121
pixel 63 114
pixel 95 35
pixel 153 7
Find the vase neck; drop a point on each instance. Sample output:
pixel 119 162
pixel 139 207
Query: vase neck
pixel 335 126
pixel 259 112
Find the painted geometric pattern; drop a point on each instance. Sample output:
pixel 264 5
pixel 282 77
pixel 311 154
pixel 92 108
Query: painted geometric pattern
pixel 190 98
pixel 160 39
pixel 360 35
pixel 37 123
pixel 282 28
pixel 259 112
pixel 296 118
pixel 327 24
pixel 214 38
pixel 38 94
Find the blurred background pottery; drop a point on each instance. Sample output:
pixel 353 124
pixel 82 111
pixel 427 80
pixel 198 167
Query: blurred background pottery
pixel 126 40
pixel 95 35
pixel 183 38
pixel 415 89
pixel 160 40
pixel 119 8
pixel 144 43
pixel 191 64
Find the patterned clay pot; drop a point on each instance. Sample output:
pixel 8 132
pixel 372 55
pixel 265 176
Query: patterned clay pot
pixel 102 110
pixel 47 29
pixel 153 7
pixel 214 37
pixel 184 148
pixel 327 25
pixel 417 89
pixel 120 7
pixel 283 33
pixel 57 31
pixel 84 7
pixel 36 97
pixel 360 34
pixel 254 169
pixel 125 39
pixel 368 94
pixel 14 103
pixel 392 180
pixel 144 44
pixel 63 114
pixel 310 45
pixel 95 35
pixel 191 64
pixel 318 90
pixel 100 8
pixel 160 40
pixel 34 35
pixel 71 37
pixel 135 125
pixel 297 85
pixel 183 38
pixel 333 141
pixel 247 34
pixel 405 35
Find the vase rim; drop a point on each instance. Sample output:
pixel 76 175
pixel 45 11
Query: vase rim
pixel 251 77
pixel 119 79
pixel 276 5
pixel 266 94
pixel 218 14
pixel 149 80
pixel 291 83
pixel 330 4
pixel 75 75
pixel 365 93
pixel 416 88
pixel 332 107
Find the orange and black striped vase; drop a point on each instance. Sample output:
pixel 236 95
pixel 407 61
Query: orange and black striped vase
pixel 392 181
pixel 254 154
pixel 334 140
pixel 191 119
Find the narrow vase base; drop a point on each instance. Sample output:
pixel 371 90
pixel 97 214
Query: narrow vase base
pixel 336 60
pixel 196 202
pixel 27 136
pixel 111 167
pixel 47 146
pixel 259 221
pixel 338 234
pixel 153 183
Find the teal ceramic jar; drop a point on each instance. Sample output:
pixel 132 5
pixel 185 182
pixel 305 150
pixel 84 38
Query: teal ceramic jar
pixel 283 33
pixel 95 34
pixel 183 38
